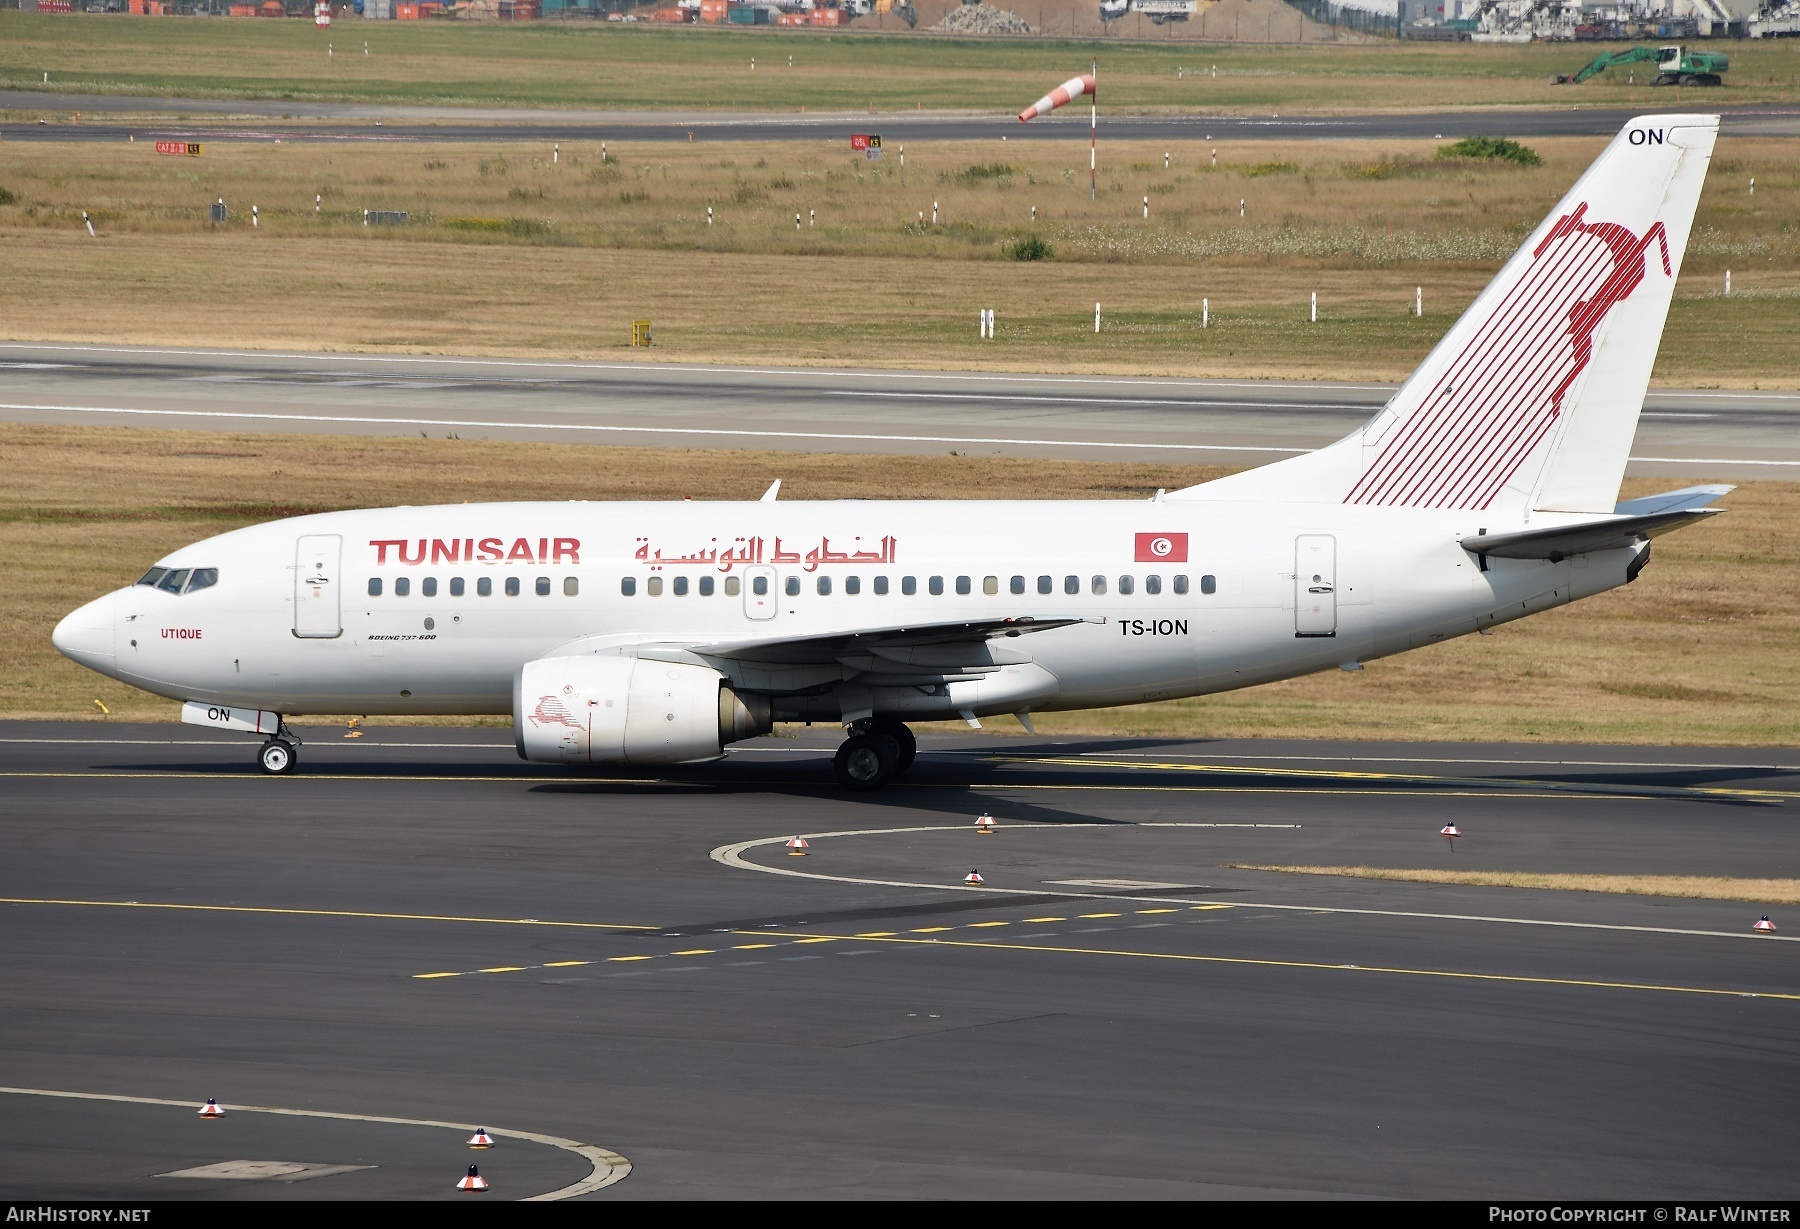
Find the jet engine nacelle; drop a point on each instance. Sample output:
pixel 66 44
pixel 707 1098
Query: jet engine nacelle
pixel 623 710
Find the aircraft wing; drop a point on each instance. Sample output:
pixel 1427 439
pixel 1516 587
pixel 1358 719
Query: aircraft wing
pixel 916 644
pixel 1634 521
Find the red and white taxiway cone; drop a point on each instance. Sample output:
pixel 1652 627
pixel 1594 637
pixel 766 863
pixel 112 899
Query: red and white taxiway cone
pixel 797 847
pixel 1450 830
pixel 481 1139
pixel 211 1109
pixel 974 879
pixel 984 825
pixel 473 1181
pixel 1764 925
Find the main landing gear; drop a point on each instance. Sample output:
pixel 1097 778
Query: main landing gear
pixel 878 750
pixel 280 753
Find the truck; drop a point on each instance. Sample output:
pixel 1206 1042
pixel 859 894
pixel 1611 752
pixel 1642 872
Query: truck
pixel 1674 66
pixel 1160 12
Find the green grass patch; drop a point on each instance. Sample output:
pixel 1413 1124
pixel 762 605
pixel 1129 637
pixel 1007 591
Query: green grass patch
pixel 1491 149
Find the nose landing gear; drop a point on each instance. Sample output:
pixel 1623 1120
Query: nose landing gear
pixel 877 751
pixel 278 756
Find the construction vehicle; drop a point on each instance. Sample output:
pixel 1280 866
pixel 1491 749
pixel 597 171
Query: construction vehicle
pixel 1674 66
pixel 1160 12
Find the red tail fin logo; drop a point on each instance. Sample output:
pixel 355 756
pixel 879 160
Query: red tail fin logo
pixel 1505 391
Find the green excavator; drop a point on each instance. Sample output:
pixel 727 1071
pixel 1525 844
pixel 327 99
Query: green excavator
pixel 1674 66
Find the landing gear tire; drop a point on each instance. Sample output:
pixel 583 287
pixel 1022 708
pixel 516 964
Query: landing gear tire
pixel 906 746
pixel 277 757
pixel 865 761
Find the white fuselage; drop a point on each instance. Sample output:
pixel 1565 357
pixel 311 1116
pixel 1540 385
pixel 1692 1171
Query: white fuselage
pixel 467 594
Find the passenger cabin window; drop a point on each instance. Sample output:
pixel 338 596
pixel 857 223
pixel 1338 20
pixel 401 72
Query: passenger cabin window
pixel 512 586
pixel 706 586
pixel 1153 584
pixel 823 585
pixel 909 585
pixel 962 585
pixel 793 586
pixel 1181 584
pixel 1046 584
pixel 1126 585
pixel 936 585
pixel 680 586
pixel 852 585
pixel 760 586
pixel 881 587
pixel 1071 584
pixel 484 587
pixel 203 578
pixel 1099 586
pixel 374 586
pixel 734 586
pixel 653 586
pixel 457 587
pixel 990 585
pixel 1018 584
pixel 628 586
pixel 571 586
pixel 428 587
pixel 1208 585
pixel 402 586
pixel 543 586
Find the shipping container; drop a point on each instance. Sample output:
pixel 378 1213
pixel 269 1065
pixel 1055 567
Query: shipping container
pixel 672 16
pixel 714 12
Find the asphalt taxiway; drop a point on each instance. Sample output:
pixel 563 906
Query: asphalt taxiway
pixel 1700 433
pixel 418 927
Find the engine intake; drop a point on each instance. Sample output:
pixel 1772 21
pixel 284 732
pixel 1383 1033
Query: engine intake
pixel 623 710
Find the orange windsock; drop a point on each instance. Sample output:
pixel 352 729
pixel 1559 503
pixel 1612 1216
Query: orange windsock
pixel 1067 92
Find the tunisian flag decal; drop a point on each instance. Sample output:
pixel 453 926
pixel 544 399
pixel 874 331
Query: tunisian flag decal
pixel 1161 548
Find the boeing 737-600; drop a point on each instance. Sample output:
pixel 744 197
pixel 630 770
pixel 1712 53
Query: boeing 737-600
pixel 655 633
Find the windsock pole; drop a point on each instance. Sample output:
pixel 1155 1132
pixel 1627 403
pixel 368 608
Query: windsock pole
pixel 1094 129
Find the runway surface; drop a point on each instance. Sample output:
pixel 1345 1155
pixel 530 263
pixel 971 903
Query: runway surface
pixel 102 119
pixel 420 927
pixel 1717 434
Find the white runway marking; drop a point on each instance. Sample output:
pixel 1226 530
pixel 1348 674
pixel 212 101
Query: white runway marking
pixel 699 368
pixel 614 430
pixel 609 1166
pixel 737 433
pixel 733 856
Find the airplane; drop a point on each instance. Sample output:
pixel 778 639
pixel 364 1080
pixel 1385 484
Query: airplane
pixel 650 633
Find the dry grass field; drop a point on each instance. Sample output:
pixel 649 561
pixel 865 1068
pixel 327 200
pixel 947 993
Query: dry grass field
pixel 1700 887
pixel 1238 55
pixel 516 250
pixel 1698 651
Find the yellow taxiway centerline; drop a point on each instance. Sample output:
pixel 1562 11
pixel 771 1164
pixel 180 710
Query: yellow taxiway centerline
pixel 1451 974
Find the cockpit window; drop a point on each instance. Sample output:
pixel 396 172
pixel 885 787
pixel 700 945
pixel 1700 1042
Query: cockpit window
pixel 181 580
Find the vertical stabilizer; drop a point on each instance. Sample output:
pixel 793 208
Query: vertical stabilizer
pixel 1531 400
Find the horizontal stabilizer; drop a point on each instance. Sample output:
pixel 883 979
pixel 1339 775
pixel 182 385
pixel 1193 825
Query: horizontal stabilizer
pixel 1641 520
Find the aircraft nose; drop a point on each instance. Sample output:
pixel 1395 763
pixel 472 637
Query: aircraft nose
pixel 86 635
